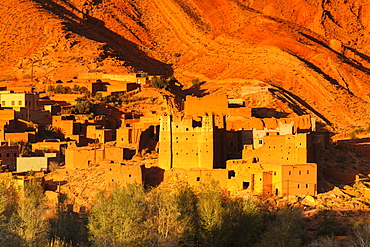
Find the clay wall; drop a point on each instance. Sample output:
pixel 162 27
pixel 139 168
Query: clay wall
pixel 18 100
pixel 7 114
pixel 34 115
pixel 49 147
pixel 65 125
pixel 21 136
pixel 8 156
pixel 121 87
pixel 82 158
pixel 210 104
pixel 99 134
pixel 234 145
pixel 25 164
pixel 124 135
pixel 119 174
pixel 197 176
pixel 70 128
pixel 277 179
pixel 186 143
pixel 285 149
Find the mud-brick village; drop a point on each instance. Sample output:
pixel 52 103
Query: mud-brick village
pixel 191 123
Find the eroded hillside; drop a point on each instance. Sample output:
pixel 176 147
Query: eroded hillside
pixel 314 52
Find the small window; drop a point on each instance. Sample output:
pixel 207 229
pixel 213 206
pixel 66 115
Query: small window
pixel 308 171
pixel 15 154
pixel 3 103
pixel 299 186
pixel 290 172
pixel 20 102
pixel 0 155
pixel 13 102
pixel 274 173
pixel 129 175
pixel 300 172
pixel 187 129
pixel 260 142
pixel 245 185
pixel 307 185
pixel 198 179
pixel 7 154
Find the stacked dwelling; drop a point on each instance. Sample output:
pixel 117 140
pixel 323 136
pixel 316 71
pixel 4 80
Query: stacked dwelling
pixel 220 141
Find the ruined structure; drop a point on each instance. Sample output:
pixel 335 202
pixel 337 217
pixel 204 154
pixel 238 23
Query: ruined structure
pixel 83 157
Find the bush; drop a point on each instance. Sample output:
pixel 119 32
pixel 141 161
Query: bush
pixel 160 83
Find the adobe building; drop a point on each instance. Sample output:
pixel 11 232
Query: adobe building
pixel 187 143
pixel 280 179
pixel 32 115
pixel 281 148
pixel 99 134
pixel 10 99
pixel 15 129
pixel 70 127
pixel 8 156
pixel 48 146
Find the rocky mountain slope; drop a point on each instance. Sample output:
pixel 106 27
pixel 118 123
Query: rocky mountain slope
pixel 316 53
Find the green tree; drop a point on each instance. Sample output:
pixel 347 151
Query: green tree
pixel 242 221
pixel 51 88
pixel 117 219
pixel 83 107
pixel 59 89
pixel 285 231
pixel 76 88
pixel 32 226
pixel 160 83
pixel 361 234
pixel 67 90
pixel 68 227
pixel 324 241
pixel 172 215
pixel 8 205
pixel 211 212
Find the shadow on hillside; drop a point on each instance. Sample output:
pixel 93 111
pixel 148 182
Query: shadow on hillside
pixel 116 45
pixel 180 93
pixel 344 59
pixel 290 98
